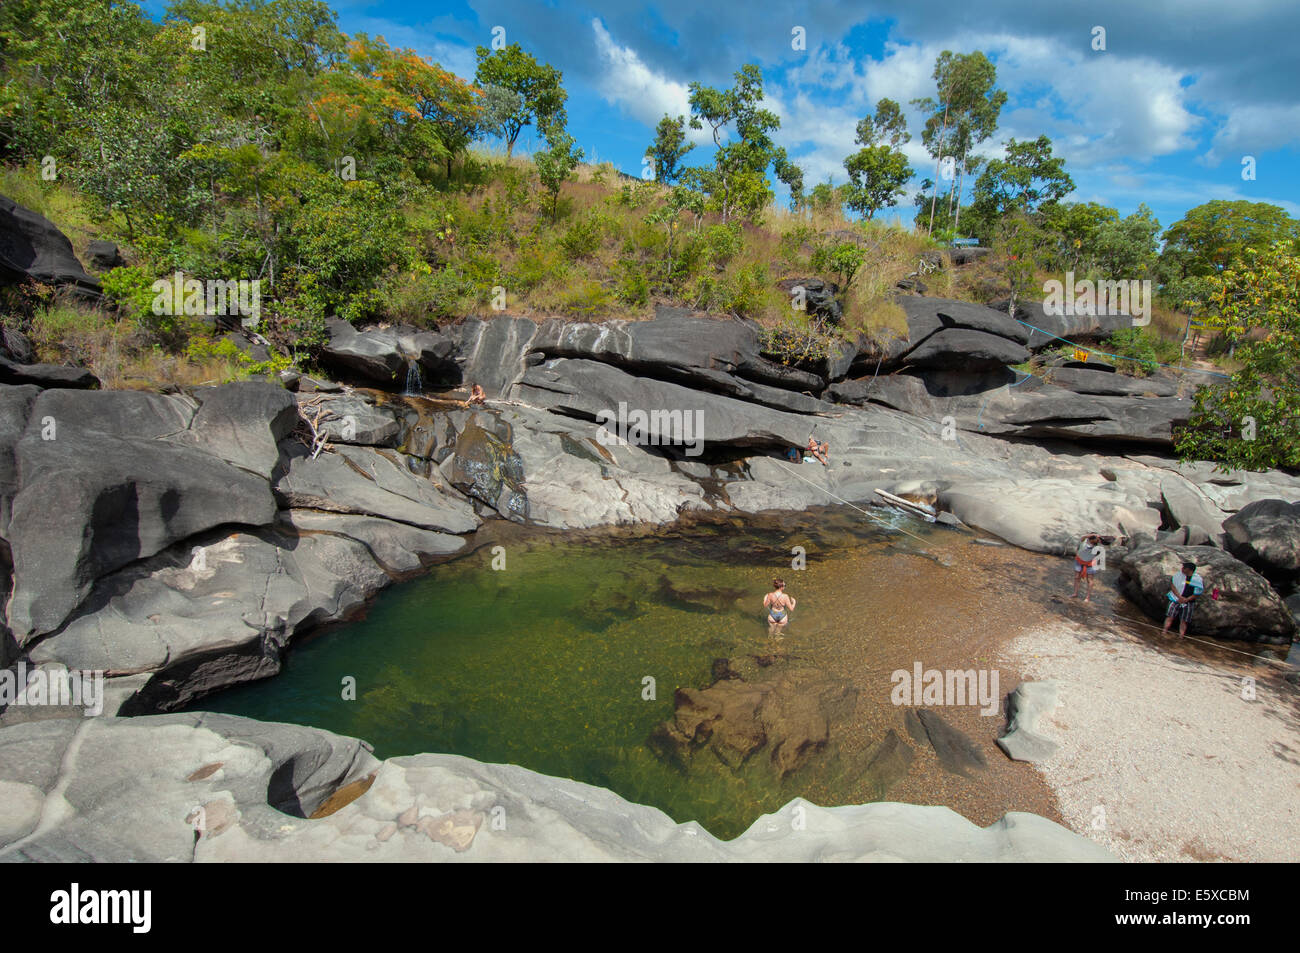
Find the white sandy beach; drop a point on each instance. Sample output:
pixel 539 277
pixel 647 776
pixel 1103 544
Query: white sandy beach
pixel 1161 758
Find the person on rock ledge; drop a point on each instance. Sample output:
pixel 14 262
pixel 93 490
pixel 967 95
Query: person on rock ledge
pixel 1183 591
pixel 818 450
pixel 476 395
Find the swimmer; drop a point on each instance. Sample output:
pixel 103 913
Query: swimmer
pixel 818 450
pixel 476 395
pixel 779 605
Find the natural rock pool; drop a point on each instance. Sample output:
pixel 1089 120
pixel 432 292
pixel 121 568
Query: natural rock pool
pixel 544 663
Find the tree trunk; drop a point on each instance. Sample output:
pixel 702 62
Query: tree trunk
pixel 961 179
pixel 938 160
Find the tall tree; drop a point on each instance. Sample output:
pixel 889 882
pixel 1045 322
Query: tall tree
pixel 964 114
pixel 669 148
pixel 540 95
pixel 738 179
pixel 879 171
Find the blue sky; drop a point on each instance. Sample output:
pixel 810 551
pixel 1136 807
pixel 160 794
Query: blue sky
pixel 1164 115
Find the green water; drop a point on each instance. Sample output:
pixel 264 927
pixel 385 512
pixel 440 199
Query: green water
pixel 543 663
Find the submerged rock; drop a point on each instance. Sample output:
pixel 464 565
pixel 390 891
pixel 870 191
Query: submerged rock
pixel 786 709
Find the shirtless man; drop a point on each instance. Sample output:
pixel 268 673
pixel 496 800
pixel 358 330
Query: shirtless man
pixel 779 605
pixel 476 395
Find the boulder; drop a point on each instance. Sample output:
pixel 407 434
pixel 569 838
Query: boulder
pixel 925 316
pixel 592 390
pixel 92 502
pixel 1048 329
pixel 486 468
pixel 46 375
pixel 242 423
pixel 1187 505
pixel 820 298
pixel 1266 535
pixel 370 482
pixel 103 256
pixel 962 348
pixel 33 249
pixel 1247 608
pixel 385 355
pixel 1106 382
pixel 1028 705
pixel 1049 515
pixel 494 354
pixel 967 254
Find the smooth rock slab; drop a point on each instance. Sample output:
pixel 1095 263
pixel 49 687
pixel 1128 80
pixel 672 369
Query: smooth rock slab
pixel 131 787
pixel 1026 707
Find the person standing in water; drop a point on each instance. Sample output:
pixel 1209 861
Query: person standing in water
pixel 1085 563
pixel 779 605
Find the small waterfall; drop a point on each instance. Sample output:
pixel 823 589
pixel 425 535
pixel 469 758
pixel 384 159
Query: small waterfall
pixel 414 385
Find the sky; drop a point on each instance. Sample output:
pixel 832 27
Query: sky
pixel 1165 114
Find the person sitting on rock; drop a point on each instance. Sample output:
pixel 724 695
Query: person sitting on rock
pixel 818 450
pixel 476 395
pixel 1086 563
pixel 1183 590
pixel 779 605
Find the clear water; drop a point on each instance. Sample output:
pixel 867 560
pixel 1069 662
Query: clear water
pixel 543 663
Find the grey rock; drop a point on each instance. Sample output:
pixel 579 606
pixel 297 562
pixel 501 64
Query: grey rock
pixel 15 346
pixel 32 248
pixel 1265 534
pixel 1026 707
pixel 370 482
pixel 72 523
pixel 103 256
pixel 132 789
pixel 925 316
pixel 1247 608
pixel 1048 329
pixel 962 348
pixel 46 375
pixel 1109 383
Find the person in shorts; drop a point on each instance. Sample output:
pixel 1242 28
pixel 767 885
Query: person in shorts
pixel 1184 589
pixel 1086 563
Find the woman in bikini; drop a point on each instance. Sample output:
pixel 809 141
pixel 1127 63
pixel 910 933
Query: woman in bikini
pixel 779 605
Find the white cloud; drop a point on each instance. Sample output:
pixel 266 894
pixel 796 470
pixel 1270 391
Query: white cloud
pixel 1250 130
pixel 641 92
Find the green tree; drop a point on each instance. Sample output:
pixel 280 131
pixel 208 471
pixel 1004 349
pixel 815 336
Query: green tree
pixel 539 96
pixel 1028 179
pixel 1021 247
pixel 1252 421
pixel 1127 247
pixel 738 182
pixel 555 164
pixel 1076 224
pixel 964 114
pixel 669 148
pixel 878 172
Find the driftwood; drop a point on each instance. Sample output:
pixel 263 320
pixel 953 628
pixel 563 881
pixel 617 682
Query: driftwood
pixel 309 425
